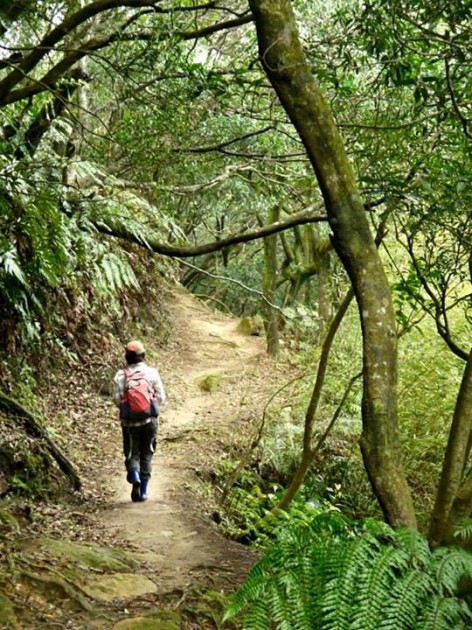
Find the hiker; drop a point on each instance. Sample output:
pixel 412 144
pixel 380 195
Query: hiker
pixel 139 393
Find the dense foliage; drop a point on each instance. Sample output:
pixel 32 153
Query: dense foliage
pixel 143 138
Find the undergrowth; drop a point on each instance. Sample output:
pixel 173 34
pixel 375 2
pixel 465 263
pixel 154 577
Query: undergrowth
pixel 429 378
pixel 333 574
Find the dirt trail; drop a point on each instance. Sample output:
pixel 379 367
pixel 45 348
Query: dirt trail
pixel 170 530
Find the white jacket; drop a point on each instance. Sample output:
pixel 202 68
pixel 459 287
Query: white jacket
pixel 152 376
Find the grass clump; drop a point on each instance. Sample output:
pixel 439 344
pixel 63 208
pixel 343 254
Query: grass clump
pixel 210 382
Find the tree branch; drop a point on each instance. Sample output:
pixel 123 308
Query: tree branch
pixel 67 26
pixel 70 24
pixel 226 143
pixel 455 104
pixel 175 251
pixel 232 280
pixel 439 306
pixel 34 428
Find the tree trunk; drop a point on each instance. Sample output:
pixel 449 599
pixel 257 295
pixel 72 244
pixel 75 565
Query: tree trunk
pixel 453 500
pixel 270 282
pixel 286 66
pixel 310 416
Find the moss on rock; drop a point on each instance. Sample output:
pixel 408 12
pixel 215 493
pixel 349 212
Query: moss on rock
pixel 105 588
pixel 91 555
pixel 161 620
pixel 253 326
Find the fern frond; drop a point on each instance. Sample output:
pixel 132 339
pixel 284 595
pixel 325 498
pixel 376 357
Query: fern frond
pixel 11 265
pixel 112 274
pixel 442 613
pixel 340 594
pixel 251 590
pixel 375 578
pixel 406 601
pixel 415 544
pixel 464 529
pixel 450 566
pixel 257 616
pixel 373 594
pixel 330 524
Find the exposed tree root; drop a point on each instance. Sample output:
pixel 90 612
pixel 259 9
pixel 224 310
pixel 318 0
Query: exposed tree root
pixel 63 586
pixel 33 426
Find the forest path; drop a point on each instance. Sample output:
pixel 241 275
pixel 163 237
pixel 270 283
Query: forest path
pixel 170 531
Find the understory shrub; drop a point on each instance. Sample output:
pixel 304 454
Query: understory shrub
pixel 246 514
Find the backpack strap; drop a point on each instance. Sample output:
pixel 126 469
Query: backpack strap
pixel 127 373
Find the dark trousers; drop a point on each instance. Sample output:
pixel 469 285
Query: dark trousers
pixel 139 446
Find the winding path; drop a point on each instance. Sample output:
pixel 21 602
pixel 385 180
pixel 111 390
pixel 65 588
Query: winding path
pixel 179 542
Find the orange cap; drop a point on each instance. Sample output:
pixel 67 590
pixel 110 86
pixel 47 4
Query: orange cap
pixel 135 346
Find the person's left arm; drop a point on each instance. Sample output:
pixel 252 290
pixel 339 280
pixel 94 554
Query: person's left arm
pixel 118 387
pixel 158 388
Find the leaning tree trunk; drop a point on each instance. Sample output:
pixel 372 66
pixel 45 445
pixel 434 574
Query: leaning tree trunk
pixel 33 426
pixel 308 452
pixel 454 496
pixel 270 282
pixel 286 66
pixel 322 251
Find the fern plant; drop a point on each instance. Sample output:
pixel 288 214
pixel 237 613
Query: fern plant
pixel 329 575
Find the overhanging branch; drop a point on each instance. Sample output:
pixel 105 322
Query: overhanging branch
pixel 62 30
pixel 174 251
pixel 234 281
pixel 24 66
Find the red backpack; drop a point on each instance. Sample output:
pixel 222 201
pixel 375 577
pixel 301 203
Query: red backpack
pixel 138 402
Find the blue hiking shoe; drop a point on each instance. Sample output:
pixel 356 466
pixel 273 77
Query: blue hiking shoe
pixel 133 476
pixel 143 489
pixel 136 492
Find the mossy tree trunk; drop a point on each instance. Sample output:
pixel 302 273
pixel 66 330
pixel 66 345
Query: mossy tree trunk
pixel 271 319
pixel 322 249
pixel 454 496
pixel 308 257
pixel 286 66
